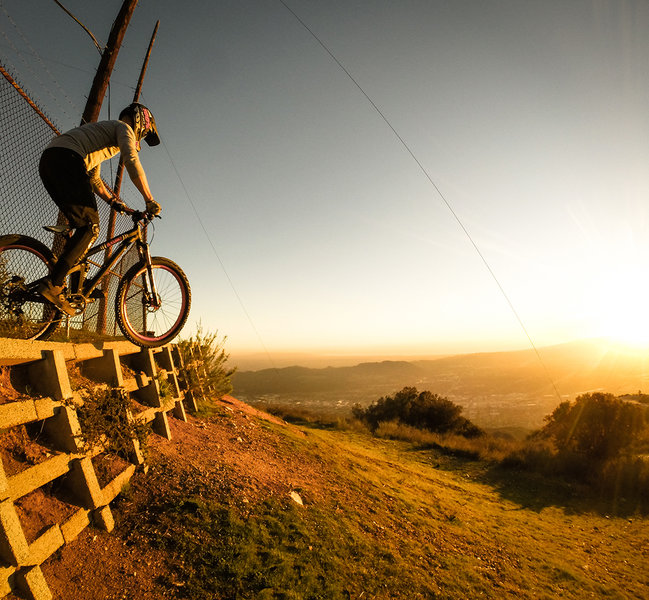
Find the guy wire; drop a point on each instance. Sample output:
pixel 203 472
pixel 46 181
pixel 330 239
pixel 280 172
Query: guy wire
pixel 439 192
pixel 227 275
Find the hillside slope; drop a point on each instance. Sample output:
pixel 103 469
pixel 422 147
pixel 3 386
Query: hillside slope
pixel 214 519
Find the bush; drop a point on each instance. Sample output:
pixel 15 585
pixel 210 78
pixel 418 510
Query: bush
pixel 627 477
pixel 598 426
pixel 206 353
pixel 106 420
pixel 598 440
pixel 423 410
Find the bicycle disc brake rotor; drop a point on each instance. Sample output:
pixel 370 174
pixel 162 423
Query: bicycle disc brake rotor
pixel 153 302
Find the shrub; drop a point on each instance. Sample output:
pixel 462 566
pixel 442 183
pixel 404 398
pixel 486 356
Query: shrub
pixel 106 420
pixel 598 440
pixel 627 476
pixel 205 352
pixel 423 410
pixel 598 426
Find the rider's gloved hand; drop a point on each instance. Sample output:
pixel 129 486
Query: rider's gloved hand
pixel 153 208
pixel 119 206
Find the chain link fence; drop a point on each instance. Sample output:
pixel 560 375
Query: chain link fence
pixel 25 206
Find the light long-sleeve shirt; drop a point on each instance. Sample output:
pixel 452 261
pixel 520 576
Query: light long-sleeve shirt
pixel 97 142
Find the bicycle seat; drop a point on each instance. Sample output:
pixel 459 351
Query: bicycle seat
pixel 58 229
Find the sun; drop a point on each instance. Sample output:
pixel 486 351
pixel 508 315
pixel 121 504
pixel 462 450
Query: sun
pixel 624 316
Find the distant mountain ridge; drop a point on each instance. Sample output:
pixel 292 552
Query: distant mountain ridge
pixel 571 368
pixel 304 379
pixel 495 389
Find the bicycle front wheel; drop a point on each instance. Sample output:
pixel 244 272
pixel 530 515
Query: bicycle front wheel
pixel 24 313
pixel 153 315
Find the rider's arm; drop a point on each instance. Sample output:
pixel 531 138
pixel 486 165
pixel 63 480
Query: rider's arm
pixel 140 182
pixel 128 149
pixel 98 186
pixel 142 185
pixel 104 193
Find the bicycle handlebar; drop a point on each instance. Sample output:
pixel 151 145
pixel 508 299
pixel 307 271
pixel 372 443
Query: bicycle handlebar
pixel 136 215
pixel 139 215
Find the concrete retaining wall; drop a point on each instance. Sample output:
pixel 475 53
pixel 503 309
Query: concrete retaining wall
pixel 53 405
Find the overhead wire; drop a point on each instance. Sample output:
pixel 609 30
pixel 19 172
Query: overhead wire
pixel 94 39
pixel 446 202
pixel 20 54
pixel 216 254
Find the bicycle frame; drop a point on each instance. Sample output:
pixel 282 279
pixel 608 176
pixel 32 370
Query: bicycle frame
pixel 152 296
pixel 133 236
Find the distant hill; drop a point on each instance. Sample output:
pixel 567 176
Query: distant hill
pixel 303 379
pixel 573 367
pixel 519 388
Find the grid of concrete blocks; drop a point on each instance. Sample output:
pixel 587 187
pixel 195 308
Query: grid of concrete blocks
pixel 53 405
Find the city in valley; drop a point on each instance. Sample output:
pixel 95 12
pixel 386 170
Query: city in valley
pixel 500 390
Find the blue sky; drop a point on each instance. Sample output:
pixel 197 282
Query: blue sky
pixel 531 118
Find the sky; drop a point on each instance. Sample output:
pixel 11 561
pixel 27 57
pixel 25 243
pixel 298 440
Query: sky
pixel 425 177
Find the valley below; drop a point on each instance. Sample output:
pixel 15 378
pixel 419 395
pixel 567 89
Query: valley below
pixel 500 390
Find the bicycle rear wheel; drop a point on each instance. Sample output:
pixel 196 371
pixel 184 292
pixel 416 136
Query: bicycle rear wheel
pixel 149 319
pixel 24 313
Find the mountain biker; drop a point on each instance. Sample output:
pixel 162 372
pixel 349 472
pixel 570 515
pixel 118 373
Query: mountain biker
pixel 70 171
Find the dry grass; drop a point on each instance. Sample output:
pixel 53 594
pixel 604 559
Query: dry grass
pixel 485 448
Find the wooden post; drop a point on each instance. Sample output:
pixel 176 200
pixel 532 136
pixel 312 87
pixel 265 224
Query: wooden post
pixel 108 58
pixel 136 96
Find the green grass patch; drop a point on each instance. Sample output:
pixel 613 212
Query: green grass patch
pixel 277 550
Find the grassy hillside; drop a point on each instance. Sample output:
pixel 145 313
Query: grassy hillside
pixel 214 519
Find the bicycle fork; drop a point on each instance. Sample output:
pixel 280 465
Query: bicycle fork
pixel 148 281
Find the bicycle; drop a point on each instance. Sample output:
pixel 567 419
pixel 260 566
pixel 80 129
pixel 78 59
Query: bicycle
pixel 151 304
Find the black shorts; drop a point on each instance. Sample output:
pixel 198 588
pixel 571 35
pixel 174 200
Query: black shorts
pixel 66 180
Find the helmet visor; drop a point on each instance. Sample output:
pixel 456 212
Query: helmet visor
pixel 151 136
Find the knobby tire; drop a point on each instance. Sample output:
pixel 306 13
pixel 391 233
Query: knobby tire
pixel 140 322
pixel 23 313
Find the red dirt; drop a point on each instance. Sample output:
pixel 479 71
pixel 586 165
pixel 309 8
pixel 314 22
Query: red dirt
pixel 234 450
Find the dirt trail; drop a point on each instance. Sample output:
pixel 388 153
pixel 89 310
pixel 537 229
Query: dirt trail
pixel 235 451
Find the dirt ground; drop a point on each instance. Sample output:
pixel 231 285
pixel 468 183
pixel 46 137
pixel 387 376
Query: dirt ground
pixel 233 449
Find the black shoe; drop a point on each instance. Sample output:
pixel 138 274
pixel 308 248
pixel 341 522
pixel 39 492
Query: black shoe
pixel 54 293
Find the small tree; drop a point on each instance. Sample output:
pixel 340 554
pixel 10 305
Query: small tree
pixel 596 425
pixel 206 351
pixel 424 410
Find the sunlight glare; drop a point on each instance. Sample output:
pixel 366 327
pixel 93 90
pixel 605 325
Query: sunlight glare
pixel 625 314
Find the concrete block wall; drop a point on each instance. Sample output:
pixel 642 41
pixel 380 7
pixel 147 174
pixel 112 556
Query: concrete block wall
pixel 54 407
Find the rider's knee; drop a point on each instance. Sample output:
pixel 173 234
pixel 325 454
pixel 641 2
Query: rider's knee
pixel 94 233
